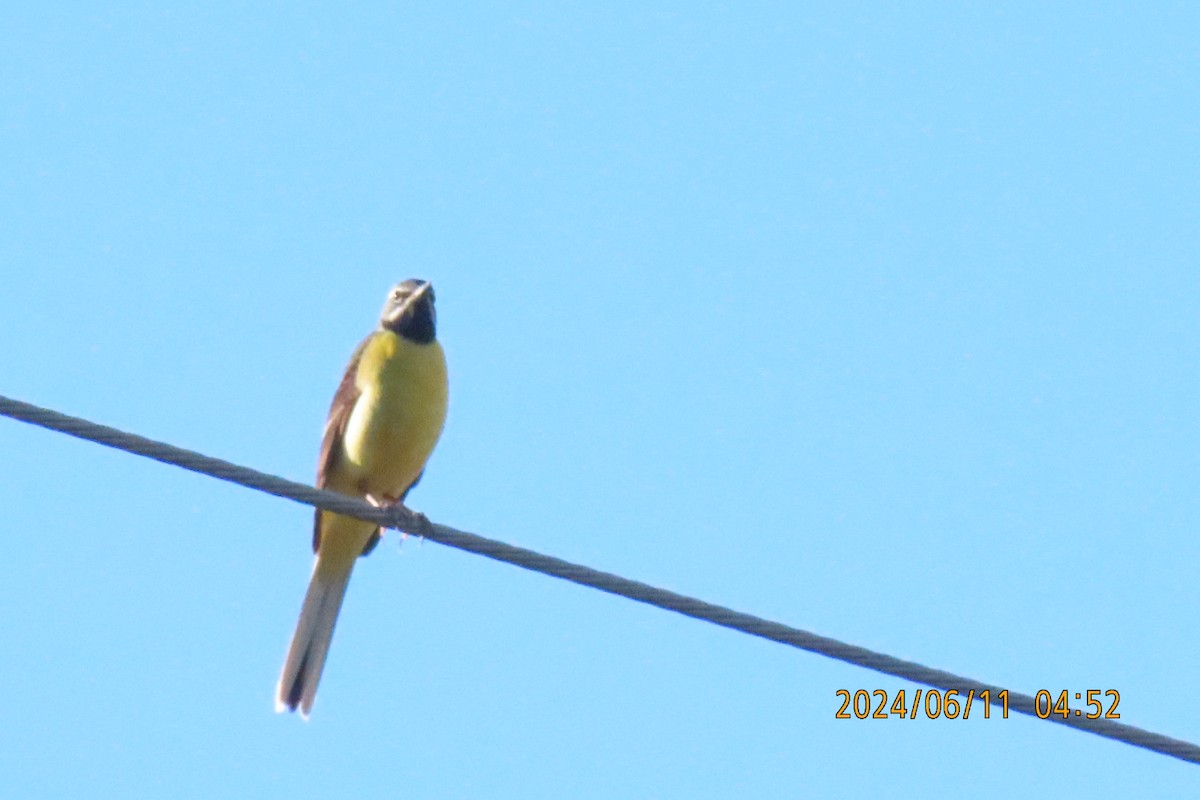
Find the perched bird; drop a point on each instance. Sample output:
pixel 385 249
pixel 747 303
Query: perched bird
pixel 383 424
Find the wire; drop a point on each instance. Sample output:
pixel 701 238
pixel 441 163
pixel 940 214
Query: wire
pixel 402 519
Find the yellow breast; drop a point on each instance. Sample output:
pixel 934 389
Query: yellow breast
pixel 398 416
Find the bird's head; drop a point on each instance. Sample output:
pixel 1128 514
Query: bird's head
pixel 409 311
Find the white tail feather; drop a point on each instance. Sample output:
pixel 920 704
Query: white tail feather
pixel 310 643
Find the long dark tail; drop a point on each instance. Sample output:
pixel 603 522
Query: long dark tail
pixel 310 643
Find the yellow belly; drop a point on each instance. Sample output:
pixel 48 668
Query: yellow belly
pixel 397 419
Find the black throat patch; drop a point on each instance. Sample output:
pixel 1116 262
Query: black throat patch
pixel 417 323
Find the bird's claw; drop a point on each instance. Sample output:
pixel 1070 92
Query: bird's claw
pixel 421 524
pixel 413 521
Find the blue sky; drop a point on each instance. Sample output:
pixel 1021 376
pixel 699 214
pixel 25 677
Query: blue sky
pixel 878 322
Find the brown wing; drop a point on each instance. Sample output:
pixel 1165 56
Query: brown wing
pixel 335 427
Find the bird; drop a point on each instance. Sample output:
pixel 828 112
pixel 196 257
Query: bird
pixel 385 420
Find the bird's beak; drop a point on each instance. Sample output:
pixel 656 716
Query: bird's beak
pixel 420 292
pixel 396 312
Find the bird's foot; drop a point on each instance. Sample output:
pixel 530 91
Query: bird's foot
pixel 416 522
pixel 421 526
